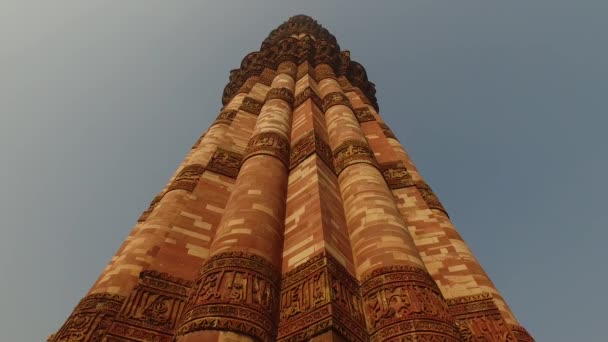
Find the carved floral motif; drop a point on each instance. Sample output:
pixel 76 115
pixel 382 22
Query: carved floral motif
pixel 236 291
pixel 270 143
pixel 187 178
pixel 225 117
pixel 90 319
pixel 353 152
pixel 318 296
pixel 225 162
pixel 396 175
pixel 306 146
pixel 251 105
pixel 364 115
pixel 284 94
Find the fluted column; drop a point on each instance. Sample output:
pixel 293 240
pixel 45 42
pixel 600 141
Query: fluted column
pixel 400 298
pixel 237 292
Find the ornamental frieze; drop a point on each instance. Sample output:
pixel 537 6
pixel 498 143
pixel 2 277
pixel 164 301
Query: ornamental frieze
pixel 306 146
pixel 251 105
pixel 306 94
pixel 151 207
pixel 334 99
pixel 152 310
pixel 429 196
pixel 520 333
pixel 236 291
pixel 225 117
pixel 90 319
pixel 401 301
pixel 270 143
pixel 387 131
pixel 267 77
pixel 353 152
pixel 225 162
pixel 364 115
pixel 284 94
pixel 187 178
pixel 479 319
pixel 396 175
pixel 318 296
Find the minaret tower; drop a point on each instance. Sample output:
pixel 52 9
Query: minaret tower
pixel 297 216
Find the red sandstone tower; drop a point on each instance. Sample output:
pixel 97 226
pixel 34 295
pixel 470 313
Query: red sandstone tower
pixel 297 216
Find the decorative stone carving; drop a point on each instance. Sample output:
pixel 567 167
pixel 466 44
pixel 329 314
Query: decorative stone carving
pixel 306 146
pixel 251 105
pixel 429 196
pixel 187 178
pixel 396 175
pixel 225 117
pixel 153 205
pixel 281 93
pixel 270 143
pixel 323 71
pixel 236 291
pixel 152 310
pixel 404 302
pixel 520 333
pixel 364 115
pixel 353 152
pixel 90 319
pixel 248 84
pixel 318 296
pixel 225 162
pixel 387 131
pixel 479 319
pixel 306 94
pixel 335 98
pixel 267 77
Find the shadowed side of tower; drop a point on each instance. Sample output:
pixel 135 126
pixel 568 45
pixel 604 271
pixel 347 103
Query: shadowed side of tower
pixel 297 216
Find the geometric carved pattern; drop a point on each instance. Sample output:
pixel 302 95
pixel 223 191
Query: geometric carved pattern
pixel 225 162
pixel 225 117
pixel 270 143
pixel 284 94
pixel 478 319
pixel 334 99
pixel 306 146
pixel 520 333
pixel 153 205
pixel 352 152
pixel 187 178
pixel 90 319
pixel 238 292
pixel 152 310
pixel 306 94
pixel 364 114
pixel 387 131
pixel 251 105
pixel 396 175
pixel 318 296
pixel 429 196
pixel 404 302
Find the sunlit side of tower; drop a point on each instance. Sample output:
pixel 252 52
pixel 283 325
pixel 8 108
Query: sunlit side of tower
pixel 297 216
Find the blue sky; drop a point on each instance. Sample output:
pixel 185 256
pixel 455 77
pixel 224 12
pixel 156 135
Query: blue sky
pixel 502 105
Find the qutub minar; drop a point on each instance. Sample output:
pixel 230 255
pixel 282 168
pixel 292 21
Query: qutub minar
pixel 297 216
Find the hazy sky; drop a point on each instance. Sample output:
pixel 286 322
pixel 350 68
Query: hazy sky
pixel 502 105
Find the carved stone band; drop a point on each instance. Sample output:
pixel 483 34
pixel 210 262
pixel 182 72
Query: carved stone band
pixel 187 178
pixel 318 296
pixel 334 99
pixel 306 146
pixel 90 319
pixel 306 94
pixel 396 175
pixel 238 292
pixel 269 143
pixel 251 105
pixel 387 131
pixel 364 115
pixel 282 94
pixel 323 71
pixel 352 152
pixel 429 196
pixel 152 310
pixel 402 301
pixel 520 333
pixel 151 207
pixel 479 319
pixel 225 117
pixel 225 162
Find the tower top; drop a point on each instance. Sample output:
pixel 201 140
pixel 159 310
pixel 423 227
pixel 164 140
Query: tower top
pixel 301 39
